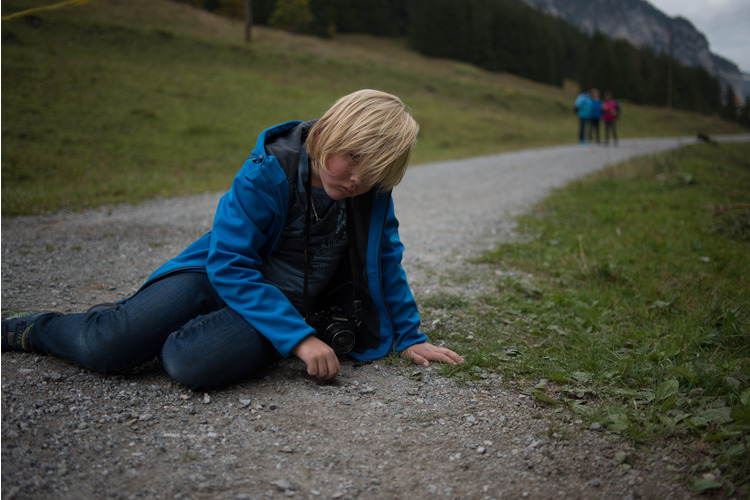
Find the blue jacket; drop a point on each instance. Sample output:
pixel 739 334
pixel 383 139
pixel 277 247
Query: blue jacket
pixel 584 106
pixel 247 226
pixel 596 109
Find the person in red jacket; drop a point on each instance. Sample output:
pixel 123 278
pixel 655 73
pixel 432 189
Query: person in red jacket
pixel 610 113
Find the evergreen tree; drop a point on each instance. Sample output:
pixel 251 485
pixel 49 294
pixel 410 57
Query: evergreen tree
pixel 262 10
pixel 729 110
pixel 435 28
pixel 573 42
pixel 291 15
pixel 599 70
pixel 628 68
pixel 744 116
pixel 501 35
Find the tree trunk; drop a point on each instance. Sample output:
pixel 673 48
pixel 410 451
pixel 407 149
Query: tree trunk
pixel 248 20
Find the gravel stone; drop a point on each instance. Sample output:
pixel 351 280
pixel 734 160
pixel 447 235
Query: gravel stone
pixel 381 430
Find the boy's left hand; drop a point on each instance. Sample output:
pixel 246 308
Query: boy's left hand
pixel 425 352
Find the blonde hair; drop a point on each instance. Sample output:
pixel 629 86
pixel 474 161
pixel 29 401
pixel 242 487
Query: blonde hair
pixel 374 128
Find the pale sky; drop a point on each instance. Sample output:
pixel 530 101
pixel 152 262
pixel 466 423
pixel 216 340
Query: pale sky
pixel 726 24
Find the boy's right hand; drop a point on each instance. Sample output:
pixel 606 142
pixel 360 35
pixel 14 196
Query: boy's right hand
pixel 321 361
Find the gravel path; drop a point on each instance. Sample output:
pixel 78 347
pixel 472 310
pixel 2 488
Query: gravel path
pixel 382 430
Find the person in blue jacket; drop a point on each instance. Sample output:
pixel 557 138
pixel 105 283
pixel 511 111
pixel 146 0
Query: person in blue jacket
pixel 305 239
pixel 583 108
pixel 595 115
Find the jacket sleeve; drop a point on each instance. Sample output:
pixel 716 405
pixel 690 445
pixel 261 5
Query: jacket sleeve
pixel 246 226
pixel 396 288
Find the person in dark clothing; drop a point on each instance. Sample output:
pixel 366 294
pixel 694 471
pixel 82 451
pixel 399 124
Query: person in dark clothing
pixel 610 113
pixel 595 116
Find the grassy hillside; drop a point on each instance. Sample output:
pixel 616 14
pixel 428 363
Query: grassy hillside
pixel 125 100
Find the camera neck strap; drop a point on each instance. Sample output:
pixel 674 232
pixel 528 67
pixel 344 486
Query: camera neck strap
pixel 353 258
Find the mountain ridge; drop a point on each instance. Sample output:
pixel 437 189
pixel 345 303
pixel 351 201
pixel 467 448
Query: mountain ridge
pixel 643 24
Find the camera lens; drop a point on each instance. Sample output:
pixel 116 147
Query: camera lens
pixel 340 338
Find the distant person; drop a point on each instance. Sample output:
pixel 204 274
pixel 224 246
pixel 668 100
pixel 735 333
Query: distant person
pixel 582 108
pixel 304 251
pixel 595 115
pixel 610 113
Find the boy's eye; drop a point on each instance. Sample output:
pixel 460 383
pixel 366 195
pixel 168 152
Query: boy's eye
pixel 354 158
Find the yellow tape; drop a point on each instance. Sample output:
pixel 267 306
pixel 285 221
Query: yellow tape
pixel 48 7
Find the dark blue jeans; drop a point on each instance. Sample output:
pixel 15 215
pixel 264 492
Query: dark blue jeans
pixel 202 343
pixel 607 127
pixel 582 129
pixel 594 128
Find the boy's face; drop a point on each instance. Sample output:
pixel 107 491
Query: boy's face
pixel 339 179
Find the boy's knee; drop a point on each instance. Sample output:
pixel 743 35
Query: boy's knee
pixel 181 368
pixel 183 375
pixel 199 367
pixel 192 368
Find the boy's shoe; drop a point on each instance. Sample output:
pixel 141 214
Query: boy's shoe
pixel 16 326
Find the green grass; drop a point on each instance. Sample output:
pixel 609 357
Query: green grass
pixel 118 101
pixel 627 301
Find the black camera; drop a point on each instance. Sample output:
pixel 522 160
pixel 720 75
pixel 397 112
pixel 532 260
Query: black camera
pixel 334 328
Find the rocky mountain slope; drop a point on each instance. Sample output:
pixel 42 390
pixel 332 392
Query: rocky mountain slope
pixel 642 24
